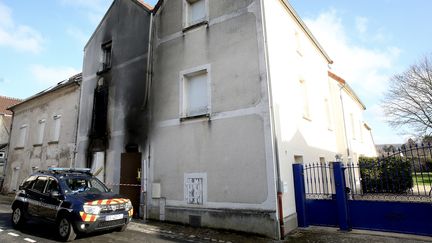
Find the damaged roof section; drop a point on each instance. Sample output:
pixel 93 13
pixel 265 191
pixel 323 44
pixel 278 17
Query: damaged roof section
pixel 74 80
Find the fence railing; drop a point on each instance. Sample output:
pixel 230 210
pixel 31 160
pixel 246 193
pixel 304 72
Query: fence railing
pixel 319 181
pixel 403 174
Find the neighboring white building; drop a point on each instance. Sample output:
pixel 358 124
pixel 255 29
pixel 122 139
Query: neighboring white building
pixel 43 132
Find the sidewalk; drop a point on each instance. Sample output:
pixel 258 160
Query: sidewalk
pixel 184 233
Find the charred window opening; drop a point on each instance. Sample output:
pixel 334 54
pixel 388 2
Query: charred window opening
pixel 106 56
pixel 99 131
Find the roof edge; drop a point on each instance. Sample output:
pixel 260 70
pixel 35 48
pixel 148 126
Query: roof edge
pixel 347 88
pixel 74 80
pixel 307 31
pixel 143 5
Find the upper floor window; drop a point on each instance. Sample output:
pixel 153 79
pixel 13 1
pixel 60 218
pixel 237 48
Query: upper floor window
pixel 40 132
pixel 22 136
pixel 55 131
pixel 195 93
pixel 106 55
pixel 304 93
pixel 194 12
pixel 328 114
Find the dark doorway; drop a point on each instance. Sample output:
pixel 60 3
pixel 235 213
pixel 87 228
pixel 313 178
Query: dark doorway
pixel 130 178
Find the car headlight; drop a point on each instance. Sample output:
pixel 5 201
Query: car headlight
pixel 128 205
pixel 92 209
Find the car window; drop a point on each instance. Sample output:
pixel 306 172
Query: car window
pixel 28 183
pixel 84 184
pixel 52 186
pixel 40 183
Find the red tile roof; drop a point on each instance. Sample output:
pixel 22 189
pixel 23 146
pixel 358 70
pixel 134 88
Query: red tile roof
pixel 6 102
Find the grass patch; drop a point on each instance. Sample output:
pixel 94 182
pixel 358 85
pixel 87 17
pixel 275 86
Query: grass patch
pixel 424 178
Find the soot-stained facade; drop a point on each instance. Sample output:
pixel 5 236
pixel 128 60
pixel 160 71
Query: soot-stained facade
pixel 203 106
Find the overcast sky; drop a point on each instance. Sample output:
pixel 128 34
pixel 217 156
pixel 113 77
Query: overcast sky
pixel 41 43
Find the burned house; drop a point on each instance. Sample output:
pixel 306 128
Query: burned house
pixel 43 132
pixel 197 109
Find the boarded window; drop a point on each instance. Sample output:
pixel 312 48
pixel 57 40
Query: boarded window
pixel 195 12
pixel 195 94
pixel 22 136
pixel 56 126
pixel 40 131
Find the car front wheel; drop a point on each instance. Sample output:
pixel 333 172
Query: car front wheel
pixel 65 229
pixel 17 217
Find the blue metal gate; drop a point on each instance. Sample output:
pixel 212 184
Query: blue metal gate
pixel 390 194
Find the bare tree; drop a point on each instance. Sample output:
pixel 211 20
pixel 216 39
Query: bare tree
pixel 408 101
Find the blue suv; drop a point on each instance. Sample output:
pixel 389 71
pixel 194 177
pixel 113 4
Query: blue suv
pixel 73 199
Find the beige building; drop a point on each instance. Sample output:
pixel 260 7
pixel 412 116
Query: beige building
pixel 43 132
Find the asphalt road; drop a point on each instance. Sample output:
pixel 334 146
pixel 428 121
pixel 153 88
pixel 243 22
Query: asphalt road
pixel 36 231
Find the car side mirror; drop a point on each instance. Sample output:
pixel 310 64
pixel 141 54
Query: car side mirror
pixel 55 194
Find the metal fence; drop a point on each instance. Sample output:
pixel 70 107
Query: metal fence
pixel 319 182
pixel 403 174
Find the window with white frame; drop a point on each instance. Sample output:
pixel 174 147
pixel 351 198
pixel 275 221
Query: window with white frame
pixel 195 93
pixel 22 136
pixel 55 131
pixel 304 92
pixel 194 12
pixel 40 132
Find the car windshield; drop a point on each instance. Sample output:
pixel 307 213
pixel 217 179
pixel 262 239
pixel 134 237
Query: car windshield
pixel 84 185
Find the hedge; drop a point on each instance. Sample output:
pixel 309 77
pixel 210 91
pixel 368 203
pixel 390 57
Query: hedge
pixel 389 175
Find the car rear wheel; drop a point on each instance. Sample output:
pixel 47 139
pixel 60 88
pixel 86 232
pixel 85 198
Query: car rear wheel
pixel 17 217
pixel 65 229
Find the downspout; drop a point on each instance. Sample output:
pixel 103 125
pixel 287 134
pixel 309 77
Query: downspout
pixel 73 162
pixel 146 166
pixel 279 203
pixel 344 120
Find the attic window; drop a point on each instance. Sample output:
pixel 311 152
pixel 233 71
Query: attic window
pixel 107 56
pixel 195 13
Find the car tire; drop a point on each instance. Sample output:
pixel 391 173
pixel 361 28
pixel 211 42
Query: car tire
pixel 122 228
pixel 18 217
pixel 65 229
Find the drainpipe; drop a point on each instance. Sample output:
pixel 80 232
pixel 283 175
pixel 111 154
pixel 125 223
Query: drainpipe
pixel 279 186
pixel 146 166
pixel 344 121
pixel 73 162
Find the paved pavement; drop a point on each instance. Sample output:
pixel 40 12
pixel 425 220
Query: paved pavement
pixel 152 231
